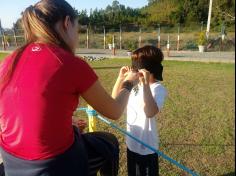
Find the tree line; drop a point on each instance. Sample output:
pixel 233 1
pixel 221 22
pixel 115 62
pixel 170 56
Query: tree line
pixel 163 12
pixel 170 13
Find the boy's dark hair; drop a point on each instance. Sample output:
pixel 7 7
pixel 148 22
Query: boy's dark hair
pixel 149 58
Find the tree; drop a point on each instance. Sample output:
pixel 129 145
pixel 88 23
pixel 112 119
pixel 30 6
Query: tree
pixel 150 2
pixel 83 17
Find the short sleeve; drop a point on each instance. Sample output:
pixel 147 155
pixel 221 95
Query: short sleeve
pixel 83 75
pixel 160 95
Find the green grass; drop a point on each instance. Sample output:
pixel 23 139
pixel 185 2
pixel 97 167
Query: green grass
pixel 197 123
pixel 3 55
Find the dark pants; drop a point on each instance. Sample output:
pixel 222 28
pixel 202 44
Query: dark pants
pixel 142 165
pixel 103 153
pixel 90 153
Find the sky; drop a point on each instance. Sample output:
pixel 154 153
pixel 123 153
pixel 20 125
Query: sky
pixel 10 10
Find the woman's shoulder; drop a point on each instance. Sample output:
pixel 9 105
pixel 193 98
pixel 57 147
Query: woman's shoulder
pixel 61 53
pixel 65 57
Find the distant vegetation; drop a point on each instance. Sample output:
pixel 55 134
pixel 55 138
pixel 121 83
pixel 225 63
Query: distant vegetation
pixel 164 12
pixel 169 13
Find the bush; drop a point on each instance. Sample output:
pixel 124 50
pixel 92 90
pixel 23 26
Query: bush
pixel 130 45
pixel 109 39
pixel 201 39
pixel 190 45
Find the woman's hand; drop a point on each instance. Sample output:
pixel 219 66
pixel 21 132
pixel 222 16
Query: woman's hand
pixel 81 124
pixel 144 76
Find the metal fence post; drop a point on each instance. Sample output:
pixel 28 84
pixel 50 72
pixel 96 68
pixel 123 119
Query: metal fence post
pixel 87 37
pixel 168 46
pixel 140 38
pixel 114 45
pixel 159 36
pixel 3 36
pixel 178 38
pixel 14 33
pixel 120 38
pixel 104 37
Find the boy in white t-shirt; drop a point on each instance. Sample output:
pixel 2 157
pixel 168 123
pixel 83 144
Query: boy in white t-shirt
pixel 145 102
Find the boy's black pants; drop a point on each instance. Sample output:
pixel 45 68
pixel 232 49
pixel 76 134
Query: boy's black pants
pixel 142 165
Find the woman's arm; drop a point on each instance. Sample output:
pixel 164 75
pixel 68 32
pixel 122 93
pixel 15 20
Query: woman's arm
pixel 102 102
pixel 119 81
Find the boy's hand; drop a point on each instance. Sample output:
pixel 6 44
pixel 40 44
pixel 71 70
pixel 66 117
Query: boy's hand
pixel 144 76
pixel 132 76
pixel 123 72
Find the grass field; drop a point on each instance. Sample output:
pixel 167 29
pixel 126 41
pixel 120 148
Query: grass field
pixel 197 123
pixel 2 55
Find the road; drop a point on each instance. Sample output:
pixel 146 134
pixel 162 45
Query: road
pixel 226 57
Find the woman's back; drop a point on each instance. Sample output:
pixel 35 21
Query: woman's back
pixel 37 105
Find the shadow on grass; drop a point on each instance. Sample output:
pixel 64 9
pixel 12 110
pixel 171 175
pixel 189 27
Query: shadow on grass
pixel 229 174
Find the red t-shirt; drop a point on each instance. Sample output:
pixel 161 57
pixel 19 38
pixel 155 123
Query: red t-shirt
pixel 37 105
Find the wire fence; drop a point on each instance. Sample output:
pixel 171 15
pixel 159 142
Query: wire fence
pixel 131 37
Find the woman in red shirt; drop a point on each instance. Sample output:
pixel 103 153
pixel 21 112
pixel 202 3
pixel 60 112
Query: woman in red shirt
pixel 40 86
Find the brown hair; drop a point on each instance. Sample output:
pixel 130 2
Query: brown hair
pixel 38 22
pixel 149 58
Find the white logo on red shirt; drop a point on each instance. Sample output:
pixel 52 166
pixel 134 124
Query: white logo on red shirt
pixel 36 48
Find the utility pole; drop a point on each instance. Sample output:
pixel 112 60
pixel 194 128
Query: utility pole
pixel 209 19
